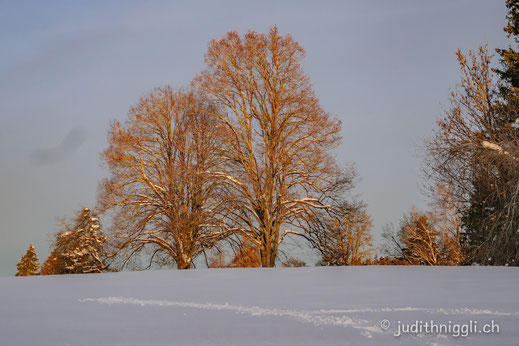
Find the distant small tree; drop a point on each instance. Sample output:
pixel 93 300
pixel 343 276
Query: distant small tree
pixel 28 265
pixel 293 262
pixel 247 256
pixel 78 248
pixel 343 236
pixel 217 260
pixel 52 265
pixel 422 240
pixel 387 261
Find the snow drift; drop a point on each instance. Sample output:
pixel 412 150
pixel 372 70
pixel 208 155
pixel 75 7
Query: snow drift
pixel 285 306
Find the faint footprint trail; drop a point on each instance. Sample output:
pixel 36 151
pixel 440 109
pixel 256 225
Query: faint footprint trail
pixel 320 317
pixel 442 311
pixel 314 317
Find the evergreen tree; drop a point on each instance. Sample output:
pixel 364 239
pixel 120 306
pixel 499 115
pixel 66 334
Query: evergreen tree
pixel 28 265
pixel 53 265
pixel 510 57
pixel 78 248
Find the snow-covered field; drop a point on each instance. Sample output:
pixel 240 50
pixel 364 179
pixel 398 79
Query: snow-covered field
pixel 280 306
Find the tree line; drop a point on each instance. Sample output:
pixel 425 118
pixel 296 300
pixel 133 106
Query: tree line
pixel 243 159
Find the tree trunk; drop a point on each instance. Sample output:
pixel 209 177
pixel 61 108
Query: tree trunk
pixel 183 264
pixel 268 256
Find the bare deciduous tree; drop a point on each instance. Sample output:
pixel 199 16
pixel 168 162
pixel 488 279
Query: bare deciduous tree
pixel 423 240
pixel 292 262
pixel 244 255
pixel 461 135
pixel 447 216
pixel 277 148
pixel 343 235
pixel 162 197
pixel 475 152
pixel 419 239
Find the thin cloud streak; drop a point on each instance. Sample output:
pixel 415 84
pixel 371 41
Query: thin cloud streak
pixel 72 142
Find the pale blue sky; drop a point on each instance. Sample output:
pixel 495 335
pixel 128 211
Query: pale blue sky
pixel 68 68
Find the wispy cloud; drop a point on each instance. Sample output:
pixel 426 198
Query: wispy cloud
pixel 72 142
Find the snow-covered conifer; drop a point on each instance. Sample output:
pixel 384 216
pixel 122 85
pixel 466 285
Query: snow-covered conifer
pixel 28 265
pixel 78 248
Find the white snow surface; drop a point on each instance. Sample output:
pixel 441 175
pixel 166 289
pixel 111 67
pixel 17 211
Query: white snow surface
pixel 275 306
